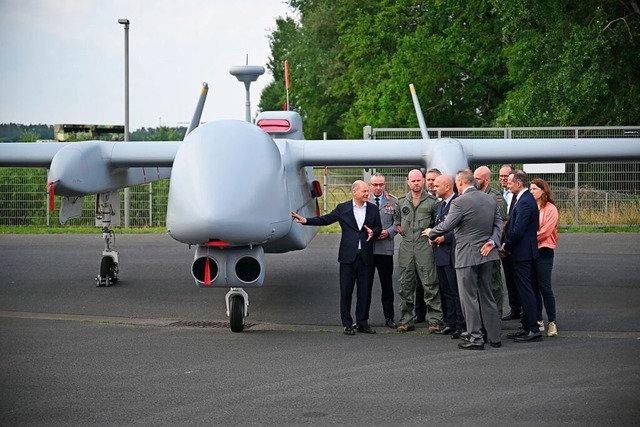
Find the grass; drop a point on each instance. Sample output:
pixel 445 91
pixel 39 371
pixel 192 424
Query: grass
pixel 333 228
pixel 9 229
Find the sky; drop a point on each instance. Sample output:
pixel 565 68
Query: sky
pixel 62 61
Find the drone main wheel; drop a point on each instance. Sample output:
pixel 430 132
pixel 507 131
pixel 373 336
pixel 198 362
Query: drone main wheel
pixel 107 270
pixel 236 313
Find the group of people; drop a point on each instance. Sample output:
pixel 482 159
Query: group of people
pixel 458 236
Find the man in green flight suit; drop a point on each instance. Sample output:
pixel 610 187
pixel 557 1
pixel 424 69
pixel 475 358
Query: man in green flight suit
pixel 415 212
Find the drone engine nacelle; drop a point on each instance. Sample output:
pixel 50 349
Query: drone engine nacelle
pixel 228 267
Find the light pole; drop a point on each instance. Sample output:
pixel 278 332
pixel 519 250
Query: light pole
pixel 125 22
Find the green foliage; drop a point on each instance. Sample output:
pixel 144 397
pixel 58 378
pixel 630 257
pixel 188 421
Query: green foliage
pixel 15 132
pixel 29 136
pixel 474 63
pixel 570 63
pixel 161 133
pixel 23 196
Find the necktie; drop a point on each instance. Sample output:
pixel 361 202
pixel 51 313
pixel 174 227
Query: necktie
pixel 513 202
pixel 378 201
pixel 441 209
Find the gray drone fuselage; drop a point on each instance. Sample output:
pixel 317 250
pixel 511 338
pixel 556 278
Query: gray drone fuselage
pixel 234 184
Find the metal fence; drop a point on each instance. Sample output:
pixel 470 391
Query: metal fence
pixel 590 194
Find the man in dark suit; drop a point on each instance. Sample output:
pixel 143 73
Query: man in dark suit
pixel 360 224
pixel 443 248
pixel 515 307
pixel 477 227
pixel 520 247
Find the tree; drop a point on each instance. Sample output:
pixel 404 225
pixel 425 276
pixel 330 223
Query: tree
pixel 281 41
pixel 474 63
pixel 449 50
pixel 571 63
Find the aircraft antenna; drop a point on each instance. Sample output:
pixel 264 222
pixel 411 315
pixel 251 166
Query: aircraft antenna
pixel 197 115
pixel 247 74
pixel 286 80
pixel 416 105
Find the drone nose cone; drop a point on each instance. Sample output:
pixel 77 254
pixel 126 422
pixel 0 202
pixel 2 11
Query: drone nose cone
pixel 227 183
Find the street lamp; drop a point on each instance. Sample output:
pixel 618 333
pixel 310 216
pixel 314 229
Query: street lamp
pixel 125 22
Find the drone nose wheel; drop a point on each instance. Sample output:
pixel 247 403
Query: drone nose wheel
pixel 108 272
pixel 237 308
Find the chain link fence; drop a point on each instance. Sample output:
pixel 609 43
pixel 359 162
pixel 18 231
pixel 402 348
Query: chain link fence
pixel 587 194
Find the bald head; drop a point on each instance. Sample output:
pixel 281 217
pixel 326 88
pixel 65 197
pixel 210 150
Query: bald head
pixel 415 181
pixel 443 186
pixel 483 176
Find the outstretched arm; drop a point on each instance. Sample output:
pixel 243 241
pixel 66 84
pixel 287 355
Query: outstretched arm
pixel 299 218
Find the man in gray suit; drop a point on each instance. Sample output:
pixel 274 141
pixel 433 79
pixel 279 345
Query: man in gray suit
pixel 477 227
pixel 383 245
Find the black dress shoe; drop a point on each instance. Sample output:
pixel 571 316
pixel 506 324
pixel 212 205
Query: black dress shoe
pixel 456 334
pixel 495 344
pixel 519 333
pixel 348 330
pixel 530 337
pixel 512 316
pixel 391 324
pixel 470 346
pixel 365 330
pixel 466 336
pixel 447 330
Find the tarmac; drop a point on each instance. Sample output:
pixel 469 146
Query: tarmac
pixel 155 350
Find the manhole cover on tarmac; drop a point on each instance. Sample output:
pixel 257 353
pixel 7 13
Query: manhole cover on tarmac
pixel 203 324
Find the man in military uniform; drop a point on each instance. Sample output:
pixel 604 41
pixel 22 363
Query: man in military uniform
pixel 383 245
pixel 415 212
pixel 419 306
pixel 483 177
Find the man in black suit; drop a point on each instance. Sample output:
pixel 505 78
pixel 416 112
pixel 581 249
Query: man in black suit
pixel 360 224
pixel 444 244
pixel 515 306
pixel 477 227
pixel 520 247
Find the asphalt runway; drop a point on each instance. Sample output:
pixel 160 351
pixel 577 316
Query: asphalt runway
pixel 74 354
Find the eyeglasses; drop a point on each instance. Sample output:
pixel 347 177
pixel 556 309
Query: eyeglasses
pixel 377 185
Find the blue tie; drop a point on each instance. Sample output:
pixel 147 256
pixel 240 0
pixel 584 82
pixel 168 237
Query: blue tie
pixel 442 208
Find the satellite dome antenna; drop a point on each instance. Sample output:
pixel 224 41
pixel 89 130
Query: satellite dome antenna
pixel 247 74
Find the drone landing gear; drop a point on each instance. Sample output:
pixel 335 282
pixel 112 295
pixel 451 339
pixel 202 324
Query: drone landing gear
pixel 237 308
pixel 109 263
pixel 108 214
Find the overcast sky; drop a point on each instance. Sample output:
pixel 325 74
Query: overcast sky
pixel 62 61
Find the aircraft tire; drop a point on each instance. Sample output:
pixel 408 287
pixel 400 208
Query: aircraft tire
pixel 236 315
pixel 106 270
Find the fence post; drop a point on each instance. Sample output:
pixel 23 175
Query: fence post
pixel 576 198
pixel 326 182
